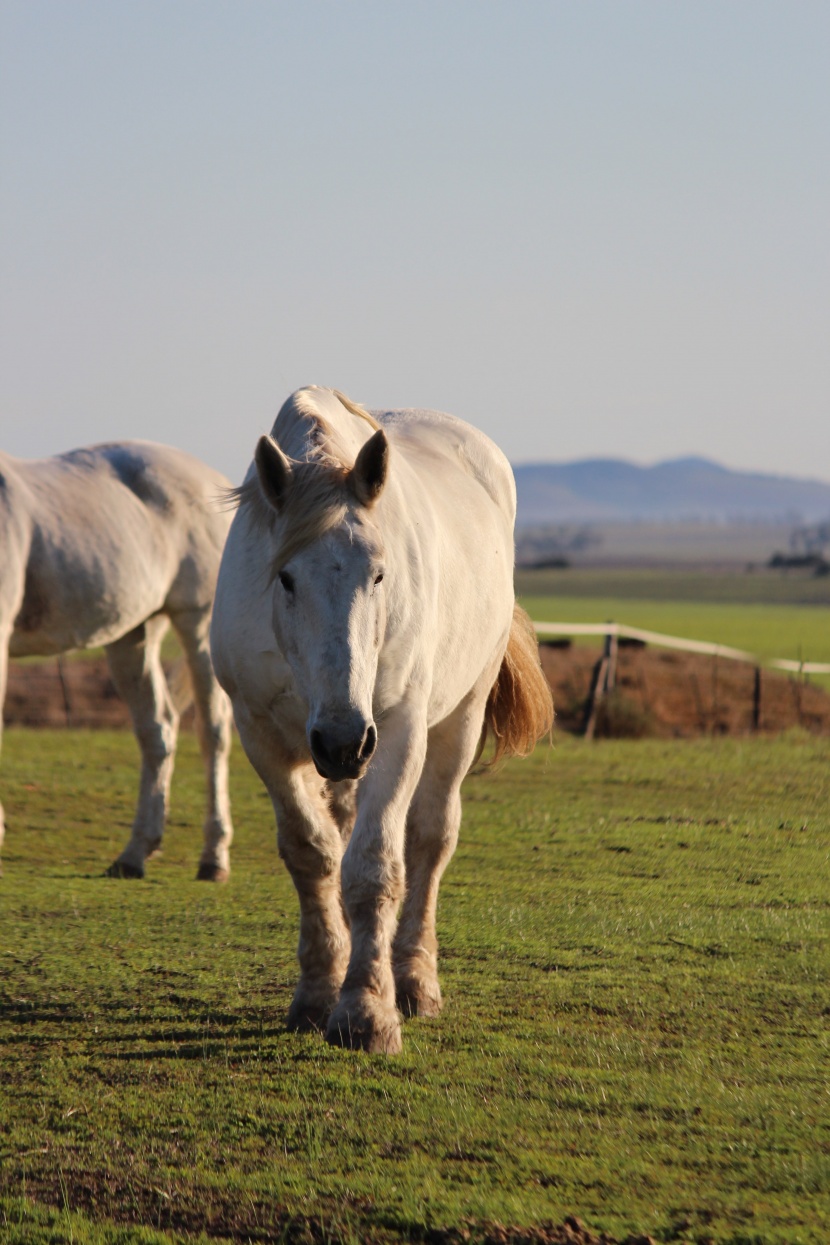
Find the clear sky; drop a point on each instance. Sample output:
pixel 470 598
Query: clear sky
pixel 591 227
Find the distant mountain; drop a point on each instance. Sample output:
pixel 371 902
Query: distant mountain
pixel 611 490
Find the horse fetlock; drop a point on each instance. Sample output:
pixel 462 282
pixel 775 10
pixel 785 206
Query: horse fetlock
pixel 323 953
pixel 365 1023
pixel 215 862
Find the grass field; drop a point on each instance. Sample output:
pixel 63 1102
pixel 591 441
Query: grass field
pixel 635 955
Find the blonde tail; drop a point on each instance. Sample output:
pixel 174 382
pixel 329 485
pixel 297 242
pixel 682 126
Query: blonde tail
pixel 520 705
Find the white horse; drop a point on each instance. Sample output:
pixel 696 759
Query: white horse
pixel 107 546
pixel 365 630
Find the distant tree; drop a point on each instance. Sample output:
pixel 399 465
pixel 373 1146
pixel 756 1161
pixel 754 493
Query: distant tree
pixel 808 541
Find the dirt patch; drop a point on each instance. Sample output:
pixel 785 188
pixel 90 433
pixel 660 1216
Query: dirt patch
pixel 668 695
pixel 105 1199
pixel 657 693
pixel 74 692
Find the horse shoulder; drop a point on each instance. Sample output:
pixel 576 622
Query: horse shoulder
pixel 241 632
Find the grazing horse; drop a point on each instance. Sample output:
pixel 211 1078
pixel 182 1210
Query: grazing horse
pixel 366 632
pixel 107 546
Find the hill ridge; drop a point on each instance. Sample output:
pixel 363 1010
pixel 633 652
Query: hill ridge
pixel 689 487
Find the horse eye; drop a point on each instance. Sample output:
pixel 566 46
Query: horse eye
pixel 286 581
pixel 379 578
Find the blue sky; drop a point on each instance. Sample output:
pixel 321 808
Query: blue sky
pixel 593 229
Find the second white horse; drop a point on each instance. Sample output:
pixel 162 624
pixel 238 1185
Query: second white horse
pixel 108 546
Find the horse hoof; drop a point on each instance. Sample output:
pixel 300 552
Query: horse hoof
pixel 120 869
pixel 366 1032
pixel 303 1018
pixel 416 998
pixel 311 1006
pixel 212 873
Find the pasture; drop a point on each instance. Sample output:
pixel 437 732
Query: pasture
pixel 634 959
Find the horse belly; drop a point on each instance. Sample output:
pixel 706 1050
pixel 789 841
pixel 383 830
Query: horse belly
pixel 76 601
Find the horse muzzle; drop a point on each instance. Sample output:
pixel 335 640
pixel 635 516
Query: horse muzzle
pixel 341 752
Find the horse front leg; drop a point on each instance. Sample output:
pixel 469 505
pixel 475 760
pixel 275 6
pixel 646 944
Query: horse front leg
pixel 373 878
pixel 311 844
pixel 135 665
pixel 431 837
pixel 213 723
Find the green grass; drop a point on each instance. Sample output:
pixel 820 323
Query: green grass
pixel 797 632
pixel 635 959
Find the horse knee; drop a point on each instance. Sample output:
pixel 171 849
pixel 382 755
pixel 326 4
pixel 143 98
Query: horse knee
pixel 305 857
pixel 371 880
pixel 157 740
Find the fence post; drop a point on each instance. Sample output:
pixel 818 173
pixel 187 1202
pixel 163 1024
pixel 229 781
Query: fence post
pixel 612 644
pixel 599 685
pixel 67 703
pixel 756 700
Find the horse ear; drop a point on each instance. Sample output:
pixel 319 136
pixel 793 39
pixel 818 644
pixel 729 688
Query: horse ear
pixel 274 471
pixel 368 475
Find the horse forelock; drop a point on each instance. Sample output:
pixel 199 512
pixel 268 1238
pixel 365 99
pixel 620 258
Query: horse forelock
pixel 317 500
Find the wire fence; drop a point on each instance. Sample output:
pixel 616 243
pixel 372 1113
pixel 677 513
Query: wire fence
pixel 621 630
pixel 604 675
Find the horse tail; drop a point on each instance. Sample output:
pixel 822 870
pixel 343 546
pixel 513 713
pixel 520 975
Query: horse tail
pixel 519 708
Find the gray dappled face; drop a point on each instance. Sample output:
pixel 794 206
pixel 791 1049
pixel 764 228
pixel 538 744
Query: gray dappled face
pixel 329 617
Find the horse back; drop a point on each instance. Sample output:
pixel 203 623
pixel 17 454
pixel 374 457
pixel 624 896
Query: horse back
pixel 446 449
pixel 112 534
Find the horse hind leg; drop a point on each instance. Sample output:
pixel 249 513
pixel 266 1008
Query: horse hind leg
pixel 213 723
pixel 431 837
pixel 135 665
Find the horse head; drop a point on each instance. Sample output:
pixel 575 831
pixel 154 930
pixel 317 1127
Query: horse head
pixel 329 604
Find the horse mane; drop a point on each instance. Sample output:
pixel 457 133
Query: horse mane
pixel 319 497
pixel 356 409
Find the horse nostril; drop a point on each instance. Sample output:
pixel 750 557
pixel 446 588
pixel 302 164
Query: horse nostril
pixel 318 747
pixel 369 744
pixel 339 754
